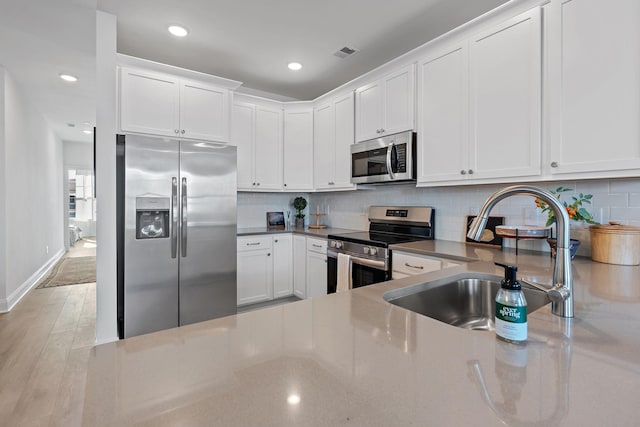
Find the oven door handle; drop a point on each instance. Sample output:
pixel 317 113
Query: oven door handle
pixel 390 149
pixel 379 265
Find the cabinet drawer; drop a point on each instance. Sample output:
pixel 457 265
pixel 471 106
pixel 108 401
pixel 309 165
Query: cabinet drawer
pixel 412 265
pixel 317 245
pixel 253 243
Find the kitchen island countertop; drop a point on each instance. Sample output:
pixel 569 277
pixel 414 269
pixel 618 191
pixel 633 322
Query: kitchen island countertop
pixel 353 359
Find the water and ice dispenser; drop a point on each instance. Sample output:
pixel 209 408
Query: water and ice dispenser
pixel 152 217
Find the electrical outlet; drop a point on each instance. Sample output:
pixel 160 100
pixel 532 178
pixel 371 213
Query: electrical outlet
pixel 46 249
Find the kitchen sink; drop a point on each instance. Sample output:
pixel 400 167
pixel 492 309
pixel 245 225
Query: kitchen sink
pixel 466 300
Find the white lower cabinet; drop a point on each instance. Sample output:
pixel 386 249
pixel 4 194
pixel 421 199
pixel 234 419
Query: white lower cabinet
pixel 316 267
pixel 255 269
pixel 404 264
pixel 300 266
pixel 282 265
pixel 265 268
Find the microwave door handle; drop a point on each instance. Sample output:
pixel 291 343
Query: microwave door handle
pixel 389 166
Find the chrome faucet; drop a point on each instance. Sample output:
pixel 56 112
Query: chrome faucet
pixel 561 291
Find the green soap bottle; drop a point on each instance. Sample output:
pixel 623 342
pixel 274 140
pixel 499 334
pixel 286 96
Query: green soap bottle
pixel 511 308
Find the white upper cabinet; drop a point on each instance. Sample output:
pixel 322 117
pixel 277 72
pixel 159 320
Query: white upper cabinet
pixel 333 136
pixel 479 106
pixel 298 149
pixel 506 96
pixel 594 87
pixel 257 131
pixel 161 104
pixel 386 106
pixel 443 115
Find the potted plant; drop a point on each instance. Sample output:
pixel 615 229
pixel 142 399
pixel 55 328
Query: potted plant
pixel 576 211
pixel 299 204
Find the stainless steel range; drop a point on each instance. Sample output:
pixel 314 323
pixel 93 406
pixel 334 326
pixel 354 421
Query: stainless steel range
pixel 366 254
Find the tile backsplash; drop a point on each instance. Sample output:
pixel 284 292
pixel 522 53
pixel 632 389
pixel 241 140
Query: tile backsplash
pixel 613 200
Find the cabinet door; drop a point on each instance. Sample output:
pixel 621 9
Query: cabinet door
pixel 344 137
pixel 323 146
pixel 300 266
pixel 255 276
pixel 242 135
pixel 595 86
pixel 443 114
pixel 399 101
pixel 268 149
pixel 298 150
pixel 149 103
pixel 316 274
pixel 506 79
pixel 369 111
pixel 282 265
pixel 204 112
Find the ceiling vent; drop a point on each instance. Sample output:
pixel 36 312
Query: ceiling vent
pixel 346 52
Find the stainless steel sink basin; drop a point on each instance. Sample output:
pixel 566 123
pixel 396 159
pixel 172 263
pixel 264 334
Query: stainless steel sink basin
pixel 466 300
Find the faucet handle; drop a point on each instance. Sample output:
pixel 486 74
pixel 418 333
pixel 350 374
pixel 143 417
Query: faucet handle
pixel 555 293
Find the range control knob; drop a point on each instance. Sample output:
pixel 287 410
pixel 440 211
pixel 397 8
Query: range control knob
pixel 338 245
pixel 373 251
pixel 332 243
pixel 366 250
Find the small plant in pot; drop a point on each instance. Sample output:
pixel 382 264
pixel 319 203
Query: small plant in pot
pixel 299 204
pixel 575 210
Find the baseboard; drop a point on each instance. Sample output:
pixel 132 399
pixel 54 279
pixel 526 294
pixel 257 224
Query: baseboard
pixel 8 304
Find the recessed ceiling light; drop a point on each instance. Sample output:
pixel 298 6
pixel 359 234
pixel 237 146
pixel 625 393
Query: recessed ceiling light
pixel 294 66
pixel 87 131
pixel 68 78
pixel 178 31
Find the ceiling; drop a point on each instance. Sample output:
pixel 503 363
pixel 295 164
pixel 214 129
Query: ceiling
pixel 250 41
pixel 39 39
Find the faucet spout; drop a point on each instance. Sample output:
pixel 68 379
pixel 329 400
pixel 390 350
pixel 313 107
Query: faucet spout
pixel 562 274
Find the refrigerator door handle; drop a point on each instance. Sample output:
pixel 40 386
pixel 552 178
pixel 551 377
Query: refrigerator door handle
pixel 183 219
pixel 174 217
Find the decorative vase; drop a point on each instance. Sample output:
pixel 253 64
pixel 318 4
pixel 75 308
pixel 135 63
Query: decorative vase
pixel 299 222
pixel 573 247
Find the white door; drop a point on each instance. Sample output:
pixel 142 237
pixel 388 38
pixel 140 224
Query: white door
pixel 242 135
pixel 255 276
pixel 298 150
pixel 149 103
pixel 344 123
pixel 595 86
pixel 204 112
pixel 323 146
pixel 369 111
pixel 505 96
pixel 443 114
pixel 268 149
pixel 300 266
pixel 316 274
pixel 282 265
pixel 399 100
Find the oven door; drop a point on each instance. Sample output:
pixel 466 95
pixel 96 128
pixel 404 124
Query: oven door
pixel 363 272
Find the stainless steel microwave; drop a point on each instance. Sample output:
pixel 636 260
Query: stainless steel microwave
pixel 386 159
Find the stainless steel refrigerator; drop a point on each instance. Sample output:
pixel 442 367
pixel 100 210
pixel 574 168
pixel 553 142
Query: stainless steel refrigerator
pixel 177 233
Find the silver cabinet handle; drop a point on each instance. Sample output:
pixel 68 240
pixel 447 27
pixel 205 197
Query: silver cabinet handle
pixel 174 217
pixel 414 266
pixel 253 244
pixel 269 254
pixel 389 166
pixel 275 241
pixel 316 246
pixel 176 130
pixel 182 131
pixel 183 219
pixel 381 130
pixel 554 164
pixel 253 183
pixel 285 185
pixel 463 172
pixel 470 171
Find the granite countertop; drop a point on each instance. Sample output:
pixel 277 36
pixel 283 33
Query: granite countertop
pixel 353 359
pixel 319 232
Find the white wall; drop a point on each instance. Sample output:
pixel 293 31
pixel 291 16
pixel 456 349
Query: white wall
pixel 617 200
pixel 253 207
pixel 33 195
pixel 78 155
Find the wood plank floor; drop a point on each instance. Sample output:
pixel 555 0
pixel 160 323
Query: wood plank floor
pixel 45 342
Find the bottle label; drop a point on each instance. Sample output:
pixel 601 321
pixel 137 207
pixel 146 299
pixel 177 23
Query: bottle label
pixel 511 322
